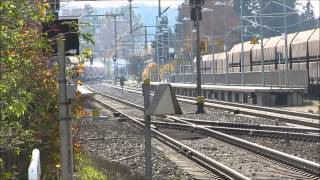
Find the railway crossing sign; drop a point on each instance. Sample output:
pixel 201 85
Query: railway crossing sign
pixel 204 46
pixel 164 102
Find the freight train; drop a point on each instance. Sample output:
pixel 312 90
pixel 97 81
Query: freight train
pixel 303 62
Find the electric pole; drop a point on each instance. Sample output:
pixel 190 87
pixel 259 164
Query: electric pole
pixel 116 47
pixel 146 42
pixel 225 43
pixel 285 43
pixel 262 49
pixel 130 9
pixel 198 58
pixel 159 9
pixel 130 6
pixel 242 46
pixel 195 6
pixel 158 60
pixel 116 50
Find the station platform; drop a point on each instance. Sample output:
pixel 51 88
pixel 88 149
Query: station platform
pixel 257 95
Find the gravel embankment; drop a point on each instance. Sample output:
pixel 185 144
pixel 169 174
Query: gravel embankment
pixel 306 150
pixel 246 163
pixel 118 148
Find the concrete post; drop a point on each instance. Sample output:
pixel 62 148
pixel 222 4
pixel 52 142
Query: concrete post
pixel 260 99
pixel 226 98
pixel 66 152
pixel 233 97
pixel 241 98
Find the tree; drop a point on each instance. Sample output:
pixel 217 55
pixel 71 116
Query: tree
pixel 272 21
pixel 211 26
pixel 307 17
pixel 28 90
pixel 105 44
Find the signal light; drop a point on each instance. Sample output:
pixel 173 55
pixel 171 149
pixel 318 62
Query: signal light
pixel 196 2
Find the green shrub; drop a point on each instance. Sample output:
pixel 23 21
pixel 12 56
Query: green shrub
pixel 86 170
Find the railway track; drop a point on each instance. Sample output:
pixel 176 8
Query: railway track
pixel 219 170
pixel 250 132
pixel 262 108
pixel 298 164
pixel 257 130
pixel 299 118
pixel 253 126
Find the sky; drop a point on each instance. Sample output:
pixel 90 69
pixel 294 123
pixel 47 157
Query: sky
pixel 173 4
pixel 147 8
pixel 117 3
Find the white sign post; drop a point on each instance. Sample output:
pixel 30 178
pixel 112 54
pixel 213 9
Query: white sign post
pixel 34 170
pixel 147 131
pixel 164 103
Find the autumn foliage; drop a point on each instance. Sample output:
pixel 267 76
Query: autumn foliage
pixel 148 70
pixel 28 90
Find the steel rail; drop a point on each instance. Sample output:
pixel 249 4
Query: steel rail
pixel 189 152
pixel 243 125
pixel 238 131
pixel 253 110
pixel 252 126
pixel 300 118
pixel 264 114
pixel 285 158
pixel 269 109
pixel 261 108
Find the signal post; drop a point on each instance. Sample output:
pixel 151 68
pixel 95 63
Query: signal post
pixel 196 6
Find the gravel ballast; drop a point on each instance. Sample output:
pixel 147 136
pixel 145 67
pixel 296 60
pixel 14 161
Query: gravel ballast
pixel 119 147
pixel 307 150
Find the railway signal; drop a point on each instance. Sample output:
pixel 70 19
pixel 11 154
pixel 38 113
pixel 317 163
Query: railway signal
pixel 91 60
pixel 114 58
pixel 195 5
pixel 66 27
